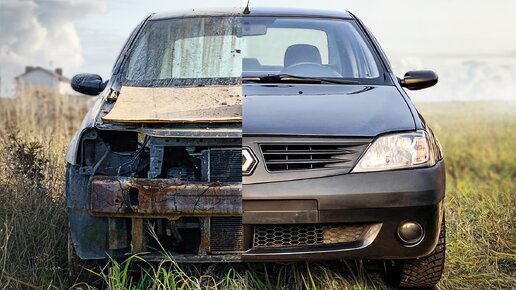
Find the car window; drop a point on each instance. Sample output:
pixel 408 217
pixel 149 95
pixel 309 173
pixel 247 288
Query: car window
pixel 269 49
pixel 220 50
pixel 330 48
pixel 189 51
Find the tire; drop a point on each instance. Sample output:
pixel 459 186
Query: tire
pixel 84 271
pixel 424 272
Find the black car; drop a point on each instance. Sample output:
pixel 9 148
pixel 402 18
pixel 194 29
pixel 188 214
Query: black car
pixel 336 161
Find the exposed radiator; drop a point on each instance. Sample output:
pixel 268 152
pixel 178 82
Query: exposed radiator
pixel 226 235
pixel 224 164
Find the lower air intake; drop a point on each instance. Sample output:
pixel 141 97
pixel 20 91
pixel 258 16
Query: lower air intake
pixel 306 235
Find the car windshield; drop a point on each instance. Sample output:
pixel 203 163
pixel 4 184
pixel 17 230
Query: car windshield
pixel 201 51
pixel 186 52
pixel 309 48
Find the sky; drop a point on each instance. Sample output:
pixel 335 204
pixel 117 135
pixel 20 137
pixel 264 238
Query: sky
pixel 471 44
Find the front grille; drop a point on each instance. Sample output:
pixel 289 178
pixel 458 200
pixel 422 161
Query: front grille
pixel 306 235
pixel 226 235
pixel 295 156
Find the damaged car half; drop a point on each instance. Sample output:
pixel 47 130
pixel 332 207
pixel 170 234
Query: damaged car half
pixel 156 164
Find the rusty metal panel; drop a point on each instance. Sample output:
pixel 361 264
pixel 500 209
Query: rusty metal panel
pixel 204 247
pixel 138 197
pixel 189 259
pixel 137 235
pixel 118 234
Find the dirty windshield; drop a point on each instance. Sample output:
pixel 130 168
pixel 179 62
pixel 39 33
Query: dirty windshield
pixel 186 52
pixel 277 48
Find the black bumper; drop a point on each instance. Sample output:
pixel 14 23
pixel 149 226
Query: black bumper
pixel 385 198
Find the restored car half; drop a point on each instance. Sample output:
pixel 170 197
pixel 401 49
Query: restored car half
pixel 338 163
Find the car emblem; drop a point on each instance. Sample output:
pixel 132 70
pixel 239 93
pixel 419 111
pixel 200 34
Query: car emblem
pixel 249 161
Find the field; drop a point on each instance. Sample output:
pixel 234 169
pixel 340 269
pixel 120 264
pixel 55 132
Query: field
pixel 479 141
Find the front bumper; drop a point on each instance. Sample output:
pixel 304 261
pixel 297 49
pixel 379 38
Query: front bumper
pixel 376 198
pixel 381 200
pixel 381 243
pixel 140 197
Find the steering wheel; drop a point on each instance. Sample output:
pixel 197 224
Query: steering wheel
pixel 310 69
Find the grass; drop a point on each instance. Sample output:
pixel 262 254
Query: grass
pixel 34 130
pixel 479 141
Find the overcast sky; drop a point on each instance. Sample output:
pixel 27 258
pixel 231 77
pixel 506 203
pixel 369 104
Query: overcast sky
pixel 470 43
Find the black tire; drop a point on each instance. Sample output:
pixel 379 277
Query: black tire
pixel 424 272
pixel 84 272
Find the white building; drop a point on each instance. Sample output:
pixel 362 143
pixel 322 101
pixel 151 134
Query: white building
pixel 43 80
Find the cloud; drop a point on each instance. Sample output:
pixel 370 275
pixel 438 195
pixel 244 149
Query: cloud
pixel 41 32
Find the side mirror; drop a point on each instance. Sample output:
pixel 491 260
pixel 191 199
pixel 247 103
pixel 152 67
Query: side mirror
pixel 419 79
pixel 88 84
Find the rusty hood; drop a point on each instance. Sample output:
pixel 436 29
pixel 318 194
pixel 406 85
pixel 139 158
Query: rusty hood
pixel 177 105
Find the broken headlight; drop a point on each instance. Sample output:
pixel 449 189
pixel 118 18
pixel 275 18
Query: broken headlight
pixel 397 151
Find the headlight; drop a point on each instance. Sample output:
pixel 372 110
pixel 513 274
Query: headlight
pixel 397 151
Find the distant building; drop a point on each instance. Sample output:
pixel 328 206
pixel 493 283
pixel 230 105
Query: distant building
pixel 43 80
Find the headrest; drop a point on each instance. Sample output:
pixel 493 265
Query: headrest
pixel 298 53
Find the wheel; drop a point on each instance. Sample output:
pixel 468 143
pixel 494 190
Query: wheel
pixel 424 272
pixel 84 271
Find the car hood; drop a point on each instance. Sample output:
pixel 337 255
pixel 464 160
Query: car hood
pixel 210 104
pixel 324 110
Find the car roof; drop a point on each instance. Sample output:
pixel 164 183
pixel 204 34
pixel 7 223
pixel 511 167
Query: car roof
pixel 254 11
pixel 283 11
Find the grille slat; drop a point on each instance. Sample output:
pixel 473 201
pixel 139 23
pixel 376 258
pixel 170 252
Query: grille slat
pixel 304 161
pixel 314 152
pixel 304 156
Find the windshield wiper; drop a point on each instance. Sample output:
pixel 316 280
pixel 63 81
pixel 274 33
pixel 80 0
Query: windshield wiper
pixel 289 77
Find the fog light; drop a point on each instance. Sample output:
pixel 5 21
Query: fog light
pixel 410 232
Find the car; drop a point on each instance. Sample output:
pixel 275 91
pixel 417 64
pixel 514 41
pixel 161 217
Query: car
pixel 337 163
pixel 155 167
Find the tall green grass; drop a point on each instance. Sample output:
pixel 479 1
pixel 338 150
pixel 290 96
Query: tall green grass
pixel 479 141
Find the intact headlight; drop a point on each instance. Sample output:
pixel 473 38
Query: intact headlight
pixel 397 151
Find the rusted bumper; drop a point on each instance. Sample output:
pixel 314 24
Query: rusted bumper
pixel 161 198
